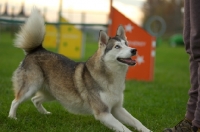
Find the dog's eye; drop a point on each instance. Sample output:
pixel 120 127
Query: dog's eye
pixel 117 47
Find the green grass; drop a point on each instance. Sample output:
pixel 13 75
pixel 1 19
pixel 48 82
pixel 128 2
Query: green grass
pixel 157 104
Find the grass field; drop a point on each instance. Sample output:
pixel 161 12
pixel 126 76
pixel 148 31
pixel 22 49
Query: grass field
pixel 156 104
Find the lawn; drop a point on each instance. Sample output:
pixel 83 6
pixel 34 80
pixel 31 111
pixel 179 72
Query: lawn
pixel 157 104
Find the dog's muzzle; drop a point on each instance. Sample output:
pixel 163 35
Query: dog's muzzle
pixel 129 61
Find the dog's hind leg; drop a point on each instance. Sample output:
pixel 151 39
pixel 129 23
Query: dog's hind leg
pixel 40 97
pixel 25 83
pixel 19 99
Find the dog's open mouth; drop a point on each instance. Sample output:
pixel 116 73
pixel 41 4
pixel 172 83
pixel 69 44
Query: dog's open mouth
pixel 127 61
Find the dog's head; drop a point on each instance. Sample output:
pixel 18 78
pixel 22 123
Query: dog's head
pixel 116 49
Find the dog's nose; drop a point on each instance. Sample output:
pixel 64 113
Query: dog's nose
pixel 133 51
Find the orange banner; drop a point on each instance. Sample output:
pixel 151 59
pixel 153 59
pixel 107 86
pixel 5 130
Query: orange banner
pixel 137 38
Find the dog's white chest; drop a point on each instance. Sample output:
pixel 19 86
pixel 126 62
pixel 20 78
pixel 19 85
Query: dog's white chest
pixel 113 95
pixel 109 99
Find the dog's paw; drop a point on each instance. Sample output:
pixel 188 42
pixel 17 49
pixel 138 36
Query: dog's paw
pixel 147 131
pixel 47 113
pixel 12 117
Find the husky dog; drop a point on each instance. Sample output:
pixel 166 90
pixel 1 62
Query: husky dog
pixel 92 87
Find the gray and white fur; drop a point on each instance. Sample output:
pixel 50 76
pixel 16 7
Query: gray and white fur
pixel 92 87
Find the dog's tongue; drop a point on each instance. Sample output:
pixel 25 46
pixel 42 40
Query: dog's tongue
pixel 128 61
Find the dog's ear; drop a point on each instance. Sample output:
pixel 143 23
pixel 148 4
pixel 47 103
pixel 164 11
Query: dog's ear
pixel 121 32
pixel 103 38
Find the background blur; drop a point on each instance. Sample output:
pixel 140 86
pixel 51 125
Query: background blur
pixel 161 18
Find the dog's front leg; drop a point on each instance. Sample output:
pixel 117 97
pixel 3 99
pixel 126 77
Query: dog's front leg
pixel 125 117
pixel 111 122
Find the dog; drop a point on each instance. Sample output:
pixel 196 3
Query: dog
pixel 92 87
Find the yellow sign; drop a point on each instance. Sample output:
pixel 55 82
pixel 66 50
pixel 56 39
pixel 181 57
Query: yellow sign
pixel 70 41
pixel 50 37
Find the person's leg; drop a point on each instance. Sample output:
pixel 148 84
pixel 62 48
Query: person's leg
pixel 195 51
pixel 191 104
pixel 185 124
pixel 186 29
pixel 193 92
pixel 195 29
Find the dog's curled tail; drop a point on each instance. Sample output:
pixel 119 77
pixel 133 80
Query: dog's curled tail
pixel 32 32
